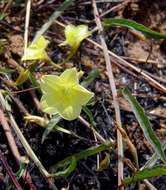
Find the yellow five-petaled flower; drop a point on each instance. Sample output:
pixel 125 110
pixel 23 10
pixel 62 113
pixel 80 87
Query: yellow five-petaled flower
pixel 36 50
pixel 63 94
pixel 75 35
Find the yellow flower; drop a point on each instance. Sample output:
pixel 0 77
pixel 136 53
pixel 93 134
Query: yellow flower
pixel 36 50
pixel 75 35
pixel 63 95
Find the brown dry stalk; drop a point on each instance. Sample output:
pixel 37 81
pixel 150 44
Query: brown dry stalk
pixel 114 92
pixel 14 149
pixel 27 18
pixel 10 139
pixel 121 61
pixel 10 172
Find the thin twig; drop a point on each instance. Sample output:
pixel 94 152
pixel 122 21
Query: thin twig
pixel 115 8
pixel 121 61
pixel 114 93
pixel 10 172
pixel 98 136
pixel 27 18
pixel 149 185
pixel 7 6
pixel 10 139
pixel 14 149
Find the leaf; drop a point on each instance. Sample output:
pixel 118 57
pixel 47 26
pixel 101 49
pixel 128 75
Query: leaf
pixel 52 123
pixel 133 25
pixel 4 70
pixel 68 170
pixel 24 75
pixel 21 170
pixel 81 155
pixel 63 130
pixel 90 78
pixel 44 123
pixel 131 146
pixel 104 164
pixel 151 162
pixel 144 123
pixel 63 94
pixel 36 50
pixel 145 174
pixel 90 115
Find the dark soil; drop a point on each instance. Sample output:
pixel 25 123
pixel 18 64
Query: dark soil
pixel 58 145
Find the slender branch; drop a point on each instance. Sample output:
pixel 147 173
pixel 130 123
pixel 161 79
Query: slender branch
pixel 98 136
pixel 114 92
pixel 149 79
pixel 14 149
pixel 10 139
pixel 10 172
pixel 27 18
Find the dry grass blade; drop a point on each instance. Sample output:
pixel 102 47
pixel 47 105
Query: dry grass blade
pixel 114 93
pixel 121 61
pixel 27 18
pixel 10 139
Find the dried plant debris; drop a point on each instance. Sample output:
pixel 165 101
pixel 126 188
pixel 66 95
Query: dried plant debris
pixel 58 126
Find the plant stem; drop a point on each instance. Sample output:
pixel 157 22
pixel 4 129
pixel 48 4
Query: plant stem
pixel 114 92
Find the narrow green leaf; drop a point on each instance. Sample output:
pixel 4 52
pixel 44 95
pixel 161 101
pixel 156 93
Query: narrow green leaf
pixel 68 170
pixel 90 78
pixel 144 123
pixel 81 155
pixel 133 25
pixel 22 77
pixel 151 162
pixel 21 170
pixel 104 164
pixel 145 174
pixel 4 70
pixel 52 123
pixel 63 130
pixel 90 115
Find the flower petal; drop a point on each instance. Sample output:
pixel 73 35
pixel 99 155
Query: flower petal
pixel 34 54
pixel 70 112
pixel 81 95
pixel 69 77
pixel 49 83
pixel 40 43
pixel 36 50
pixel 47 108
pixel 82 32
pixel 70 33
